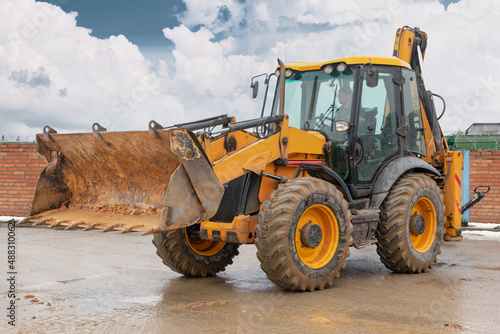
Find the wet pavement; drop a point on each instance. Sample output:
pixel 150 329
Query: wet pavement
pixel 70 281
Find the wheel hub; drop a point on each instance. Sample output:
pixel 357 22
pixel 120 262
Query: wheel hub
pixel 417 224
pixel 311 235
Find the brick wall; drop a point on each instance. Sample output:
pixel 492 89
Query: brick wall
pixel 485 170
pixel 20 166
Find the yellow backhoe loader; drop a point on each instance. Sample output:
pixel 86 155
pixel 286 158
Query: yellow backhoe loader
pixel 353 156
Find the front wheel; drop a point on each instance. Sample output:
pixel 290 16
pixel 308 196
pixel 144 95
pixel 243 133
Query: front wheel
pixel 411 225
pixel 183 251
pixel 304 234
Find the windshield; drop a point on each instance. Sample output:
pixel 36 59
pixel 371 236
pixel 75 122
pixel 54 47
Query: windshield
pixel 315 100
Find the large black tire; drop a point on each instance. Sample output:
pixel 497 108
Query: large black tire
pixel 414 205
pixel 286 259
pixel 184 252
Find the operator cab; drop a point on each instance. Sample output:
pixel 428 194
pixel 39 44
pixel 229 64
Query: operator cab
pixel 369 114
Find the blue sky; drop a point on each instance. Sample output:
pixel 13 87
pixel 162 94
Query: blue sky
pixel 141 22
pixel 71 63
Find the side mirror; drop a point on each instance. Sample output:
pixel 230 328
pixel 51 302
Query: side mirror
pixel 255 88
pixel 372 77
pixel 341 126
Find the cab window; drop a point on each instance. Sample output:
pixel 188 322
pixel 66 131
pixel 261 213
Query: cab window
pixel 415 137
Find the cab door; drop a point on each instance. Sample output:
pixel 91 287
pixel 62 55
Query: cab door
pixel 376 141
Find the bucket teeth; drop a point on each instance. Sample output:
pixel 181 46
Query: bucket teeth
pixel 59 222
pixel 111 227
pixel 92 226
pixel 130 229
pixel 24 221
pixel 158 229
pixel 42 222
pixel 75 224
pixel 152 230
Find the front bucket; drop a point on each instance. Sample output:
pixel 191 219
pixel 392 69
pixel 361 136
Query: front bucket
pixel 150 181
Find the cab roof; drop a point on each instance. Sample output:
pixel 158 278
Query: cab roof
pixel 392 61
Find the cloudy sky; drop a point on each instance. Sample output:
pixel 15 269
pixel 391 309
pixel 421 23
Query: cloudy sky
pixel 70 63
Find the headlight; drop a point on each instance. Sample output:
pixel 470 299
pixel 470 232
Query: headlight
pixel 288 72
pixel 341 67
pixel 328 69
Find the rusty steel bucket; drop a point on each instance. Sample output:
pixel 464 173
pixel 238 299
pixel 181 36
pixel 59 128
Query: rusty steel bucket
pixel 149 181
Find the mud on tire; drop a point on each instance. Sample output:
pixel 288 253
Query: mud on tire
pixel 414 205
pixel 183 252
pixel 279 249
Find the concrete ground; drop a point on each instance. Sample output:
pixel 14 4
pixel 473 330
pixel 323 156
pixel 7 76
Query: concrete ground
pixel 70 281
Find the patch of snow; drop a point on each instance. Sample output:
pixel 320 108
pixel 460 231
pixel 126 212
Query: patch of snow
pixel 4 219
pixel 488 226
pixel 483 232
pixel 481 235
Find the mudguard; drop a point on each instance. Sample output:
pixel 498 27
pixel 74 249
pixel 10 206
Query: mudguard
pixel 393 171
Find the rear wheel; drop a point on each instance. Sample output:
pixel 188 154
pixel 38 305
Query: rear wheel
pixel 411 226
pixel 183 251
pixel 304 234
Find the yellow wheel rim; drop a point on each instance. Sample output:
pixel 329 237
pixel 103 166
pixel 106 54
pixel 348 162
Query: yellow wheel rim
pixel 320 255
pixel 423 242
pixel 204 247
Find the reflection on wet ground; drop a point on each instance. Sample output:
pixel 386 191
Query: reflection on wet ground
pixel 74 281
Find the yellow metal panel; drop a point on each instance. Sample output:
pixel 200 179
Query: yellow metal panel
pixel 240 230
pixel 305 142
pixel 258 163
pixel 376 60
pixel 218 147
pixel 453 192
pixel 284 138
pixel 267 184
pixel 396 42
pixel 232 166
pixel 405 45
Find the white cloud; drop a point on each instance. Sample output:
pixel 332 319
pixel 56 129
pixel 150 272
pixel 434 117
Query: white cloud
pixel 461 61
pixel 86 79
pixel 218 48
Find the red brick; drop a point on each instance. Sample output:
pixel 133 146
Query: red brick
pixel 485 169
pixel 20 166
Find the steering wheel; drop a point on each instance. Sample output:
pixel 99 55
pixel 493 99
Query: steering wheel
pixel 320 123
